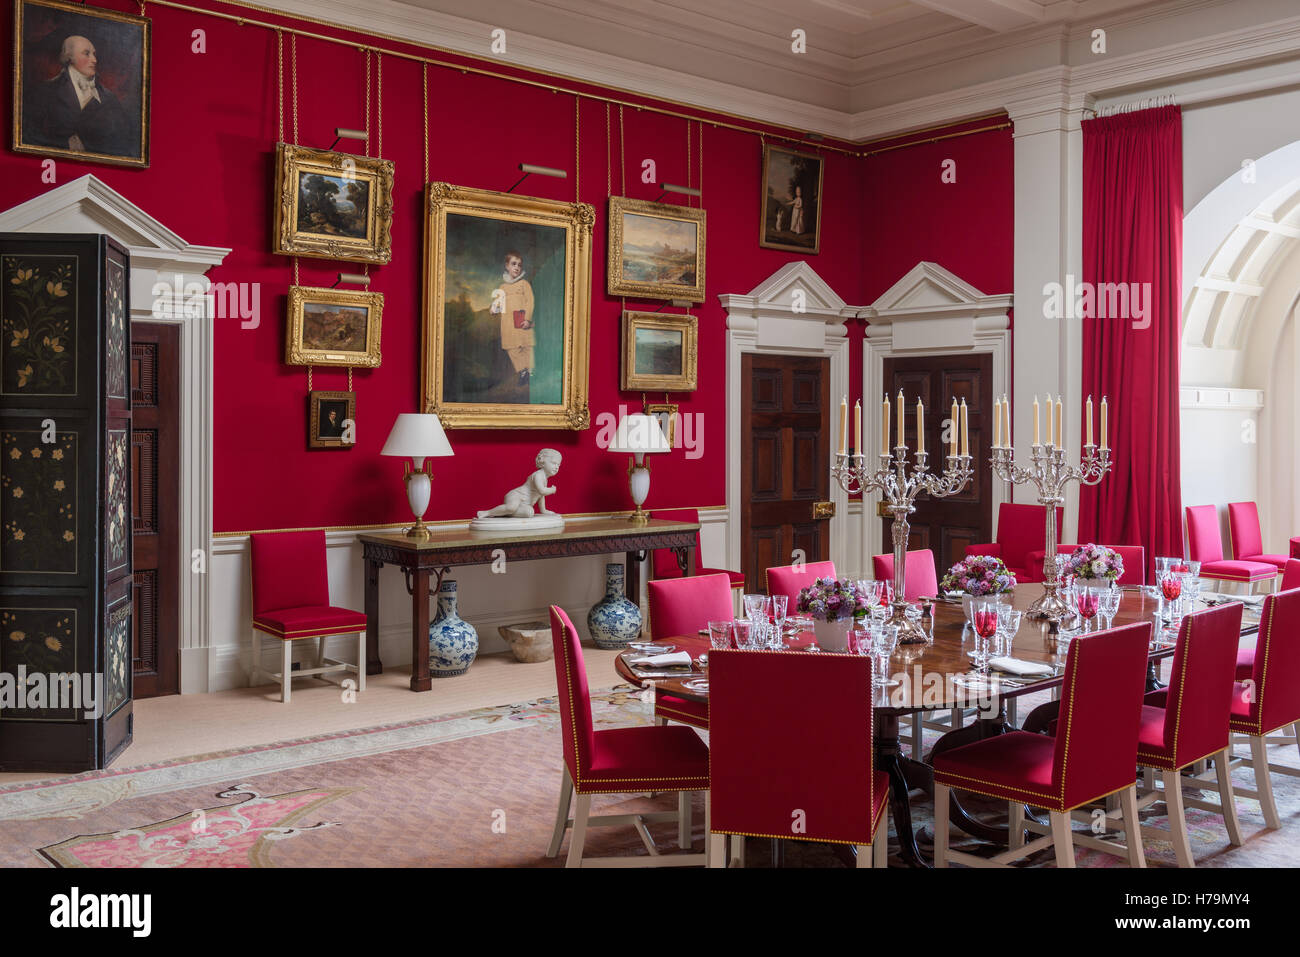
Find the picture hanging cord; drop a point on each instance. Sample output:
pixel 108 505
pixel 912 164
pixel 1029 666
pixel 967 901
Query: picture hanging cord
pixel 577 152
pixel 424 82
pixel 293 77
pixel 366 64
pixel 349 378
pixel 609 167
pixel 309 379
pixel 622 153
pixel 279 77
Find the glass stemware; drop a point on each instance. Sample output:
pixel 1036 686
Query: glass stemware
pixel 740 629
pixel 984 621
pixel 1008 625
pixel 756 606
pixel 883 642
pixel 1109 606
pixel 720 634
pixel 780 607
pixel 1171 589
pixel 1086 603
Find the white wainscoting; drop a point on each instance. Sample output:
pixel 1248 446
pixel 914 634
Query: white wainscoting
pixel 524 592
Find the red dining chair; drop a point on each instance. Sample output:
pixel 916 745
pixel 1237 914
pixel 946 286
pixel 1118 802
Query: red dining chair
pixel 1205 545
pixel 291 601
pixel 663 561
pixel 770 777
pixel 683 606
pixel 1246 653
pixel 922 579
pixel 1244 534
pixel 1092 755
pixel 1295 547
pixel 616 761
pixel 1269 700
pixel 789 580
pixel 1020 531
pixel 1188 722
pixel 1134 558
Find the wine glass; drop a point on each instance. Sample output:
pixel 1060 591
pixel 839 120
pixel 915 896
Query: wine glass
pixel 1086 603
pixel 1171 589
pixel 740 629
pixel 984 620
pixel 755 606
pixel 720 634
pixel 1008 625
pixel 1109 604
pixel 780 607
pixel 884 641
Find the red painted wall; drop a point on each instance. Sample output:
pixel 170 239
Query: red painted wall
pixel 215 125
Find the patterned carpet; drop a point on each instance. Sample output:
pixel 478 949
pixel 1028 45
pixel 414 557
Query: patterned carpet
pixel 473 789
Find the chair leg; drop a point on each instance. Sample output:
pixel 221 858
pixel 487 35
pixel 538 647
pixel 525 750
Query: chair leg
pixel 286 669
pixel 1062 838
pixel 684 820
pixel 1016 825
pixel 880 845
pixel 1224 774
pixel 717 850
pixel 320 652
pixel 361 662
pixel 579 836
pixel 737 850
pixel 1148 779
pixel 562 816
pixel 256 668
pixel 708 828
pixel 1177 819
pixel 940 825
pixel 864 854
pixel 1263 784
pixel 1128 800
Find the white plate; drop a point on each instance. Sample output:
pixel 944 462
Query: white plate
pixel 650 647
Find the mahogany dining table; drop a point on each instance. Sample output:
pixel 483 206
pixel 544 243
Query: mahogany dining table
pixel 925 675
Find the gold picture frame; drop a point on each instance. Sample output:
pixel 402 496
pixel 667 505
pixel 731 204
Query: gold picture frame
pixel 507 310
pixel 309 221
pixel 636 229
pixel 333 327
pixel 667 413
pixel 49 120
pixel 660 352
pixel 328 415
pixel 790 202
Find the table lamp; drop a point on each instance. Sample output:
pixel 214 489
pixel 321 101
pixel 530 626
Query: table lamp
pixel 418 437
pixel 638 434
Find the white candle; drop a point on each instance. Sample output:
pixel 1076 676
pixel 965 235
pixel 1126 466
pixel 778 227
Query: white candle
pixel 997 424
pixel 1058 421
pixel 857 427
pixel 1088 421
pixel 1104 423
pixel 1036 431
pixel 953 429
pixel 884 426
pixel 902 433
pixel 920 426
pixel 844 411
pixel 965 430
pixel 1006 422
pixel 1048 410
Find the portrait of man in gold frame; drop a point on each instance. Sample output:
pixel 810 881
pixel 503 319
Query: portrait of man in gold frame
pixel 667 413
pixel 659 352
pixel 332 205
pixel 656 250
pixel 507 309
pixel 333 327
pixel 332 420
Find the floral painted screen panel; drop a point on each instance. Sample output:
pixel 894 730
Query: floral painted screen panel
pixel 38 501
pixel 38 322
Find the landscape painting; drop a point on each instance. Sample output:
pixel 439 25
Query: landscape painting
pixel 659 352
pixel 332 205
pixel 656 250
pixel 333 327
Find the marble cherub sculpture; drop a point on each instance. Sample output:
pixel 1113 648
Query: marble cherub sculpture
pixel 520 501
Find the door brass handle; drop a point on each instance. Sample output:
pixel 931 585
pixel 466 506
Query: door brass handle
pixel 823 510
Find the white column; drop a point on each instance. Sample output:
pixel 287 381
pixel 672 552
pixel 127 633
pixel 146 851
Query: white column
pixel 1048 248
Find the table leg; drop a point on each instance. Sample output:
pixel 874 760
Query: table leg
pixel 1153 676
pixel 632 578
pixel 420 680
pixel 978 730
pixel 691 559
pixel 373 665
pixel 889 758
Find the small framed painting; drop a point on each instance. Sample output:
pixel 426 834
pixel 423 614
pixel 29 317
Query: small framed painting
pixel 666 413
pixel 81 83
pixel 656 250
pixel 791 214
pixel 332 205
pixel 333 327
pixel 659 352
pixel 331 418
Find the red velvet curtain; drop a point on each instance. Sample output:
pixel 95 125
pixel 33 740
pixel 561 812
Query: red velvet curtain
pixel 1133 234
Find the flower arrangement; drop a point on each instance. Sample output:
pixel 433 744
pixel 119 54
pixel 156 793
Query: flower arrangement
pixel 829 600
pixel 1095 561
pixel 979 575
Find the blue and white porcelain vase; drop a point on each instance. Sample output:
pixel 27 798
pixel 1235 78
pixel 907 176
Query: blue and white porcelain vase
pixel 614 621
pixel 453 642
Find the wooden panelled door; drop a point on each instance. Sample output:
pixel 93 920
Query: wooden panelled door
pixel 946 525
pixel 155 510
pixel 784 463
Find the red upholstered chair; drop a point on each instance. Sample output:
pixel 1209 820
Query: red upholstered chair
pixel 922 578
pixel 1270 699
pixel 1247 542
pixel 616 761
pixel 1295 547
pixel 663 561
pixel 291 601
pixel 1092 755
pixel 1205 545
pixel 1020 531
pixel 1246 653
pixel 789 580
pixel 764 763
pixel 1133 556
pixel 682 606
pixel 1188 721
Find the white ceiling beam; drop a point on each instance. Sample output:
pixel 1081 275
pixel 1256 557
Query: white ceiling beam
pixel 996 15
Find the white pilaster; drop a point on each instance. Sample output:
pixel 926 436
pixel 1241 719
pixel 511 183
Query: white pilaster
pixel 1048 353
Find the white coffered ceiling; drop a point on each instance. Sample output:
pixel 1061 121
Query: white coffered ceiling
pixel 870 68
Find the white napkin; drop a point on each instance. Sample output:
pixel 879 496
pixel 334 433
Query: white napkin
pixel 1252 600
pixel 670 660
pixel 1017 667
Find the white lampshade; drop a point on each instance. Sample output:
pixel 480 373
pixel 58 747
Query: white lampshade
pixel 639 432
pixel 417 436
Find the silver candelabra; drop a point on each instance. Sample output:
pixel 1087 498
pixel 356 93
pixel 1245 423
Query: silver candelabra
pixel 899 490
pixel 1049 473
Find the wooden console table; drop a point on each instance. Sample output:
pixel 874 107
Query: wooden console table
pixel 419 559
